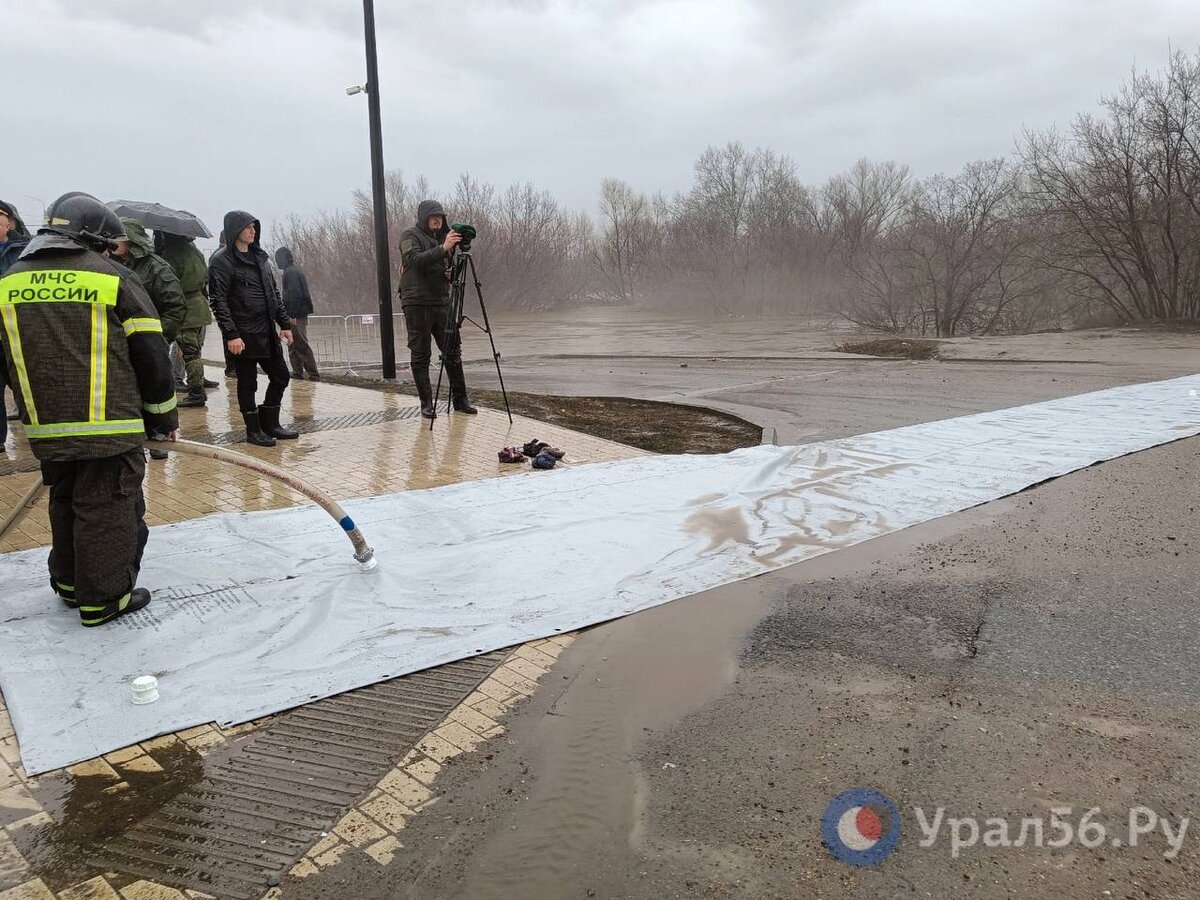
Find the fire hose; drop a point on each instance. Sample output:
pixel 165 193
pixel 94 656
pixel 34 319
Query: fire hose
pixel 363 553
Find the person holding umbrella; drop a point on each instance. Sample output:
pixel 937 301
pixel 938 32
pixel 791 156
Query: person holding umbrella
pixel 247 307
pixel 194 315
pixel 157 277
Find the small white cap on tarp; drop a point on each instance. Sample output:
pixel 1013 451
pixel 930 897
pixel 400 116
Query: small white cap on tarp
pixel 145 689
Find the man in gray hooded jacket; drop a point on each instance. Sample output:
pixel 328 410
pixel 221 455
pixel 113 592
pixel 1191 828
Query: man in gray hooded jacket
pixel 299 305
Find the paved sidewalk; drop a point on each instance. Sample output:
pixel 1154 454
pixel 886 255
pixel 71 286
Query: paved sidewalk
pixel 371 443
pixel 356 443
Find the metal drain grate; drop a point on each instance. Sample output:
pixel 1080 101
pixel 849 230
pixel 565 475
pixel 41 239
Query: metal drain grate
pixel 333 423
pixel 304 426
pixel 265 800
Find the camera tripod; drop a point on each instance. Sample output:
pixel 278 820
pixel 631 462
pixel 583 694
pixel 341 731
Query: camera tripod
pixel 458 290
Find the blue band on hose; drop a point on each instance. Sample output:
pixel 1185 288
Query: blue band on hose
pixel 347 524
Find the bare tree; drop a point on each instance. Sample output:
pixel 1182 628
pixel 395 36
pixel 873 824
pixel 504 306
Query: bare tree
pixel 620 251
pixel 860 206
pixel 1122 190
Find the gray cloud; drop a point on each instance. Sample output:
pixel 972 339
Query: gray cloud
pixel 213 104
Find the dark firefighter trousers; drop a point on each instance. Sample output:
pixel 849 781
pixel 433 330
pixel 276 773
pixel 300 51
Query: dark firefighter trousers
pixel 99 533
pixel 428 324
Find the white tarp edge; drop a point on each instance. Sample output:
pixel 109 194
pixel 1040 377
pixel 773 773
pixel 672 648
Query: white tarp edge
pixel 259 612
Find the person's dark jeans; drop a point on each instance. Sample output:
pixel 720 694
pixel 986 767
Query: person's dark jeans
pixel 276 370
pixel 428 324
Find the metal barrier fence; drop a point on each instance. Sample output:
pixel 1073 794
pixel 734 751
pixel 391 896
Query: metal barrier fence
pixel 343 342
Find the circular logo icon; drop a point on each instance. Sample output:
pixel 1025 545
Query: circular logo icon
pixel 861 827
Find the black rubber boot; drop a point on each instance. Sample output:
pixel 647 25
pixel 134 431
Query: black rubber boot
pixel 425 392
pixel 459 399
pixel 91 616
pixel 269 417
pixel 254 432
pixel 195 398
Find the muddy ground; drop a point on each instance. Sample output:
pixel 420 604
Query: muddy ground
pixel 645 424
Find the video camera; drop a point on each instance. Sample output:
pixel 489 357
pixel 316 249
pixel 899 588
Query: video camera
pixel 468 233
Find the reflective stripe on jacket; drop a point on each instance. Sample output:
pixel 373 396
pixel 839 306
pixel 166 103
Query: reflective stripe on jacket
pixel 85 352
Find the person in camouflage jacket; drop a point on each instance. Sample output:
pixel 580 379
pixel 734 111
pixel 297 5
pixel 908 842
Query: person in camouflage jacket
pixel 188 264
pixel 155 274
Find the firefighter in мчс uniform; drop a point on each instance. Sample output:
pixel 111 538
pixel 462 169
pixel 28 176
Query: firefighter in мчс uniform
pixel 92 378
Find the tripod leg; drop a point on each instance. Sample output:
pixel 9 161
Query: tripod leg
pixel 487 326
pixel 437 391
pixel 452 313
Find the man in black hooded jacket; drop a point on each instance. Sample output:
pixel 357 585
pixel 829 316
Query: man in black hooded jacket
pixel 426 253
pixel 247 308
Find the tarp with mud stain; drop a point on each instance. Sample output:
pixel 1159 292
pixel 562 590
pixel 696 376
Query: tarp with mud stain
pixel 259 612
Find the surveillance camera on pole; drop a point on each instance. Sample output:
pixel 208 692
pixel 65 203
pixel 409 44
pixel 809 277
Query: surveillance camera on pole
pixel 356 89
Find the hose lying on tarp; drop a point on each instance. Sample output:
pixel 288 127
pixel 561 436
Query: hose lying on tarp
pixel 362 550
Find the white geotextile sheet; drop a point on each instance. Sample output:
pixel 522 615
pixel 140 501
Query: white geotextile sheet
pixel 258 612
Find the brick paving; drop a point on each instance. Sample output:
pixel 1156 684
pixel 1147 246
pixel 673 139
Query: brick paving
pixel 357 461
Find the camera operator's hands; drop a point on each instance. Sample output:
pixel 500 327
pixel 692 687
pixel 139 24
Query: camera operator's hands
pixel 451 241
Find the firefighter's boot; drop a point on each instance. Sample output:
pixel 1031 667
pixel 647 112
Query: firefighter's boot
pixel 92 615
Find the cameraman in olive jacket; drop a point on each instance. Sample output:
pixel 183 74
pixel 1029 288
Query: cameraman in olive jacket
pixel 426 251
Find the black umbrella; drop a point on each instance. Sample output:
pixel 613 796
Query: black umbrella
pixel 157 217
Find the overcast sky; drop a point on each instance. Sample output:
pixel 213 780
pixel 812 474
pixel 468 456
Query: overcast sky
pixel 213 104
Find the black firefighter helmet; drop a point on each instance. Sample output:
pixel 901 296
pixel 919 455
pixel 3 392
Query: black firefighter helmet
pixel 82 217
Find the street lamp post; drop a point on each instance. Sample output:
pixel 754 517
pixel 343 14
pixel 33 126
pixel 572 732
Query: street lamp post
pixel 383 275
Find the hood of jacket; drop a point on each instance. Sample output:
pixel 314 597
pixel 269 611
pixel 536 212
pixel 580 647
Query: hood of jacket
pixel 139 241
pixel 284 258
pixel 18 230
pixel 235 221
pixel 11 250
pixel 427 208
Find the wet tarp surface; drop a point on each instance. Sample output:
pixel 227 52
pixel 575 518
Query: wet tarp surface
pixel 258 612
